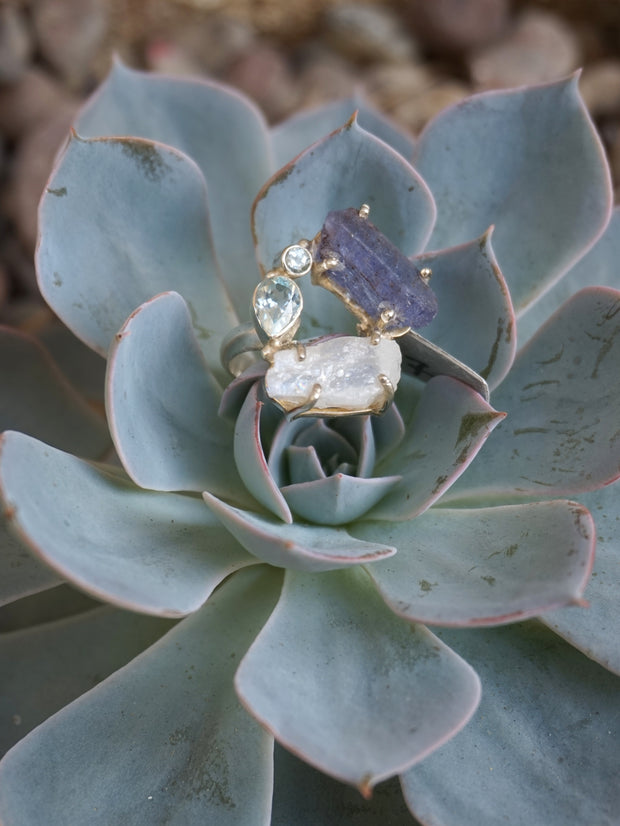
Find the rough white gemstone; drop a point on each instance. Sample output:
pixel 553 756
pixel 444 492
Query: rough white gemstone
pixel 296 260
pixel 277 304
pixel 346 367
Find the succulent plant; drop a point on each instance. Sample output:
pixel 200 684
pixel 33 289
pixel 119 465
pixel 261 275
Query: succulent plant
pixel 273 579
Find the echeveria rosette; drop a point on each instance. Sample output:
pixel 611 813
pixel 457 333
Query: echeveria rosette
pixel 380 524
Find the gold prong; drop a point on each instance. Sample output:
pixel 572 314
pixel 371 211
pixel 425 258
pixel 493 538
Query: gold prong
pixel 308 404
pixel 425 274
pixel 304 243
pixel 301 350
pixel 329 263
pixel 364 211
pixel 269 351
pixel 387 314
pixel 388 389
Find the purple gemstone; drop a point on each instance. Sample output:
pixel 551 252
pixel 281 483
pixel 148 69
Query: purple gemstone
pixel 373 274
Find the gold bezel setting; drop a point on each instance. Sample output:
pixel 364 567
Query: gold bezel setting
pixel 302 250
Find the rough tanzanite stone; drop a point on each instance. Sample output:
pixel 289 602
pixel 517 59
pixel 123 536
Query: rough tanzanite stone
pixel 373 274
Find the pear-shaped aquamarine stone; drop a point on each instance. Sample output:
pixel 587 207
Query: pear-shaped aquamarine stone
pixel 277 305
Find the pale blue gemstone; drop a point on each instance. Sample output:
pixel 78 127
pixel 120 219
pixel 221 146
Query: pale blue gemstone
pixel 296 260
pixel 277 305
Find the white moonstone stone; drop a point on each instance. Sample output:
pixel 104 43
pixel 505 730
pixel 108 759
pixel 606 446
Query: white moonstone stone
pixel 277 304
pixel 346 367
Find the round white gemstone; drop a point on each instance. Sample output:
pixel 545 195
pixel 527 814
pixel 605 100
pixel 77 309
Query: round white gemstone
pixel 277 305
pixel 296 260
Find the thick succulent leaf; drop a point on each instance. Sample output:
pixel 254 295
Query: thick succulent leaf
pixel 330 446
pixel 358 431
pixel 250 458
pixel 484 566
pixel 600 267
pixel 353 689
pixel 562 396
pixel 297 546
pixel 151 552
pixel 163 740
pixel 37 399
pixel 596 631
pixel 297 132
pixel 324 313
pixel 121 220
pixel 529 161
pixel 21 573
pixel 475 321
pixel 68 657
pixel 388 430
pixel 219 129
pixel 285 435
pixel 542 747
pixel 348 168
pixel 234 393
pixel 406 400
pixel 337 499
pixel 162 403
pixel 451 424
pixel 306 797
pixel 84 368
pixel 45 606
pixel 304 465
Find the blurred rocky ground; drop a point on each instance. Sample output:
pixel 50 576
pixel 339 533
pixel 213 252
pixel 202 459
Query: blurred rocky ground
pixel 410 57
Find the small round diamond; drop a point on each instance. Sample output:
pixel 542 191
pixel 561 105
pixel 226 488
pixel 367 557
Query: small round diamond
pixel 296 260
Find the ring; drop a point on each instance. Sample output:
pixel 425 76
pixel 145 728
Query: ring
pixel 341 375
pixel 240 348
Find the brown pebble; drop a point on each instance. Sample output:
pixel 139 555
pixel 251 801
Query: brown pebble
pixel 456 26
pixel 70 33
pixel 416 113
pixel 368 33
pixel 325 76
pixel 264 75
pixel 390 86
pixel 34 98
pixel 15 44
pixel 600 88
pixel 208 44
pixel 166 57
pixel 540 47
